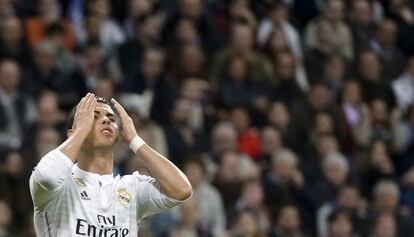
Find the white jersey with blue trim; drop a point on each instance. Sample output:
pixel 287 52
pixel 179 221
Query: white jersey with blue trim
pixel 69 201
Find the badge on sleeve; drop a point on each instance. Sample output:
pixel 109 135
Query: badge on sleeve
pixel 80 182
pixel 124 197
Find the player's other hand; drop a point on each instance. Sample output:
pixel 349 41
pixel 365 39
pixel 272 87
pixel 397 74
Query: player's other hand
pixel 84 115
pixel 128 131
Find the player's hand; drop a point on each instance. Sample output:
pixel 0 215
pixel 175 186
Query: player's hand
pixel 84 115
pixel 128 131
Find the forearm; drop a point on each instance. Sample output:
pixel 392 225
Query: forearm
pixel 172 181
pixel 72 146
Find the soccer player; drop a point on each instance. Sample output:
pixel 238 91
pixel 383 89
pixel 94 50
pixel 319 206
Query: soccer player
pixel 73 189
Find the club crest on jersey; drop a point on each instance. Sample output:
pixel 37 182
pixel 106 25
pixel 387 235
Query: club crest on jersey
pixel 124 197
pixel 80 182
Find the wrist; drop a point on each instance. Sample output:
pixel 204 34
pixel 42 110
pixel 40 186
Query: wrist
pixel 136 143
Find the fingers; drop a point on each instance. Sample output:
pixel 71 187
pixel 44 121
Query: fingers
pixel 121 111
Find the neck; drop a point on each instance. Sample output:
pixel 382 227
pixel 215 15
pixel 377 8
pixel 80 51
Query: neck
pixel 97 161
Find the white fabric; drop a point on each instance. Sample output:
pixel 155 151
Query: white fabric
pixel 136 143
pixel 403 88
pixel 71 202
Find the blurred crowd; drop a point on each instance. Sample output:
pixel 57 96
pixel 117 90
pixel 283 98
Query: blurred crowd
pixel 291 118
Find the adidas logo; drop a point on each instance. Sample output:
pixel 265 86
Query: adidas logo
pixel 84 196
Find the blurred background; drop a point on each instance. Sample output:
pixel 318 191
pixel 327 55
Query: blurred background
pixel 291 118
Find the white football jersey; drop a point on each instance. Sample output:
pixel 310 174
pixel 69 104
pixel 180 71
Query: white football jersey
pixel 71 202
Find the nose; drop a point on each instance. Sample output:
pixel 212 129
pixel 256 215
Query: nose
pixel 105 120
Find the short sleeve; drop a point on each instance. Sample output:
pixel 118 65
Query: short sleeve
pixel 150 200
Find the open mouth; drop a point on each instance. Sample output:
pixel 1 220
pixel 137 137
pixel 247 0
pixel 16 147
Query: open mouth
pixel 107 131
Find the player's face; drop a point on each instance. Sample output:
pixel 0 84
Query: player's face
pixel 105 131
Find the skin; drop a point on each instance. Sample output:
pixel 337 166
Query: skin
pixel 93 138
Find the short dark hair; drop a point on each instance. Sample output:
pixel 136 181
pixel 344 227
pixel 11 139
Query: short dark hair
pixel 71 117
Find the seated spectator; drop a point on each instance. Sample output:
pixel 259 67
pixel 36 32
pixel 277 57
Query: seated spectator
pixel 283 182
pixel 12 43
pixel 335 171
pixel 246 225
pixel 362 24
pixel 48 14
pixel 17 110
pixel 386 198
pixel 237 87
pixel 385 225
pixel 407 190
pixel 332 15
pixel 340 225
pixel 403 86
pixel 347 201
pixel 208 201
pixel 271 143
pixel 248 138
pixel 6 219
pixel 189 224
pixel 234 168
pixel 373 83
pixel 287 223
pixel 384 45
pixel 252 199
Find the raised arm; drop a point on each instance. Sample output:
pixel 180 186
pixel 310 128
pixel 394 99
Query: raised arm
pixel 82 125
pixel 53 169
pixel 172 181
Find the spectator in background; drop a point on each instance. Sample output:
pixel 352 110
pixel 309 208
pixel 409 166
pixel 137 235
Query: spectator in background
pixel 373 83
pixel 386 196
pixel 351 108
pixel 349 202
pixel 403 86
pixel 407 189
pixel 12 43
pixel 181 137
pixel 378 166
pixel 335 173
pixel 385 225
pixel 246 225
pixel 275 32
pixel 147 30
pixel 13 175
pixel 17 110
pixel 234 168
pixel 190 224
pixel 285 83
pixel 49 12
pixel 271 143
pixel 99 25
pixel 384 45
pixel 189 61
pixel 283 182
pixel 252 199
pixel 208 200
pixel 192 11
pixel 6 220
pixel 135 10
pixel 280 117
pixel 362 24
pixel 380 123
pixel 94 65
pixel 287 223
pixel 237 87
pixel 248 138
pixel 241 41
pixel 334 74
pixel 341 37
pixel 47 74
pixel 340 225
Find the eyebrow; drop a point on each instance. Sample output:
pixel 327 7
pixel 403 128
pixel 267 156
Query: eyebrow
pixel 109 114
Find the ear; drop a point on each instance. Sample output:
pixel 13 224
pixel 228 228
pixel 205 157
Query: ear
pixel 69 132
